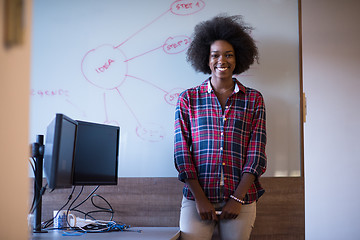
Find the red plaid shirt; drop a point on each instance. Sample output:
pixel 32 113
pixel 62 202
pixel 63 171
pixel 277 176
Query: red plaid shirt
pixel 207 139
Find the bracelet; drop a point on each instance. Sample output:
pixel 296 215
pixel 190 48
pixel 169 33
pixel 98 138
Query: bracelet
pixel 236 199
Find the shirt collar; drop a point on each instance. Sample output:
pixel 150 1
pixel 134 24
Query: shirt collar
pixel 238 86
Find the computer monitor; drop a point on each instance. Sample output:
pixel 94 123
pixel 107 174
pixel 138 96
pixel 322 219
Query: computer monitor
pixel 96 154
pixel 59 152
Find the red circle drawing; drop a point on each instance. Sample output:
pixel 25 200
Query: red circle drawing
pixel 105 67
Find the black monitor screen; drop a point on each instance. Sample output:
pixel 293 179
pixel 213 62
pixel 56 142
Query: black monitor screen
pixel 59 151
pixel 96 154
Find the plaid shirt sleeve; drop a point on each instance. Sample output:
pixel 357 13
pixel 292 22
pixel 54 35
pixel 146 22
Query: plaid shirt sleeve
pixel 182 140
pixel 256 157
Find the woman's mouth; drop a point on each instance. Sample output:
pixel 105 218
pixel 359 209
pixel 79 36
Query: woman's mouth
pixel 222 69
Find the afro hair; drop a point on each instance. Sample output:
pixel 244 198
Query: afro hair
pixel 229 28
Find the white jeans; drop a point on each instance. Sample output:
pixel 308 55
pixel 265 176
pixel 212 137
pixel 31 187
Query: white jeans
pixel 193 228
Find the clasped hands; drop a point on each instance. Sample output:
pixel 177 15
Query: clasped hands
pixel 207 211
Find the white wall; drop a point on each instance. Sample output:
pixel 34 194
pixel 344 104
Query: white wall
pixel 14 146
pixel 331 70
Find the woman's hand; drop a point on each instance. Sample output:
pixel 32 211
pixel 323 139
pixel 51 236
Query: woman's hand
pixel 205 209
pixel 231 210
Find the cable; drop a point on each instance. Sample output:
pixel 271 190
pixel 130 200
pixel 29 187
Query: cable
pixel 33 201
pixel 95 225
pixel 83 213
pixel 110 210
pixel 42 191
pixel 81 190
pixel 88 214
pixel 36 186
pixel 82 202
pixel 47 223
pixel 32 163
pixel 99 226
pixel 74 209
pixel 68 210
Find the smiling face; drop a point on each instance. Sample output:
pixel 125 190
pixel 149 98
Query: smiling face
pixel 222 60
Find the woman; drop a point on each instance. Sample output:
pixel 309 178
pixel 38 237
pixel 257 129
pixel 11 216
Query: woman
pixel 220 135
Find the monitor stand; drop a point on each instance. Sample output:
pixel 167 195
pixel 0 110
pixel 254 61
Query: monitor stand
pixel 38 154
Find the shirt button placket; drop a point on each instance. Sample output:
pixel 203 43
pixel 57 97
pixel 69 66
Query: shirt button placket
pixel 221 153
pixel 223 140
pixel 221 149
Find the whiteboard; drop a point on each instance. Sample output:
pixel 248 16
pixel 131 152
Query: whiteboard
pixel 123 63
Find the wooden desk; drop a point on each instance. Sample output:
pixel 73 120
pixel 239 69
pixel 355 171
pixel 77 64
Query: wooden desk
pixel 147 233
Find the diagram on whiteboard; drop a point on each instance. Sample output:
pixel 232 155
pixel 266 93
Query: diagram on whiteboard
pixel 106 67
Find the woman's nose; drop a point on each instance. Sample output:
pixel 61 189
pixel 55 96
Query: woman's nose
pixel 222 59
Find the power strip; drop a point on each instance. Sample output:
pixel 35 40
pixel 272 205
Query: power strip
pixel 80 222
